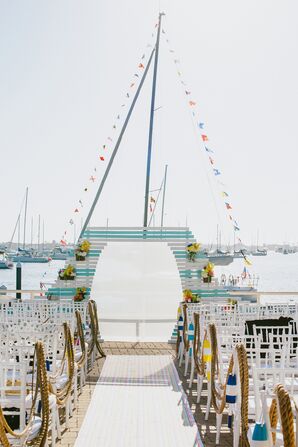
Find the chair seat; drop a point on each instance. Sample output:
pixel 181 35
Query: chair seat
pixel 36 426
pixel 61 381
pixel 52 401
pixel 78 355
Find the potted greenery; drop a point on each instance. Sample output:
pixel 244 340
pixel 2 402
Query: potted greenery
pixel 68 273
pixel 190 297
pixel 80 294
pixel 82 250
pixel 192 250
pixel 208 272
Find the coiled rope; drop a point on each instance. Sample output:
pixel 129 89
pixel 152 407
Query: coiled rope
pixel 92 308
pixel 41 386
pixel 216 395
pixel 62 394
pixel 81 336
pixel 286 415
pixel 198 354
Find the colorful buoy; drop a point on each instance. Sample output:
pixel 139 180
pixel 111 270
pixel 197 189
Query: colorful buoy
pixel 260 436
pixel 231 391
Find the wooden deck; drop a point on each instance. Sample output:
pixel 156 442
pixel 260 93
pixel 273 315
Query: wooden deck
pixel 207 430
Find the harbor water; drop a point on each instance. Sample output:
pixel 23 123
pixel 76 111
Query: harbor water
pixel 276 272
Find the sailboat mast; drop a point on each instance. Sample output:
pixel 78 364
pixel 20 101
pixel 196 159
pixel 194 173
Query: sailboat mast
pixel 43 236
pixel 145 224
pixel 25 217
pixel 19 230
pixel 31 231
pixel 38 240
pixel 163 196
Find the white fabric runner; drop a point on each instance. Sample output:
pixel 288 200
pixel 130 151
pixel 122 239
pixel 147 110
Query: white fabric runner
pixel 138 401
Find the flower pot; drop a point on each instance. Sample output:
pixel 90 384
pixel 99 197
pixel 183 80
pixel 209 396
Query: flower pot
pixel 79 297
pixel 80 257
pixel 67 278
pixel 207 280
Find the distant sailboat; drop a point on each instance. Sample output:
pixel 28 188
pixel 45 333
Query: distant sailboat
pixel 259 251
pixel 23 254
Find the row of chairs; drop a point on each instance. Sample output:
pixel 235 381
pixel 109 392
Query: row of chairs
pixel 68 350
pixel 241 370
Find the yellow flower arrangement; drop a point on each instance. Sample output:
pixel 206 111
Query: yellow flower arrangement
pixel 82 250
pixel 208 272
pixel 67 273
pixel 189 296
pixel 80 293
pixel 192 250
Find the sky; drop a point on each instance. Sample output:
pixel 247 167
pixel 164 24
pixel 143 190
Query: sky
pixel 65 70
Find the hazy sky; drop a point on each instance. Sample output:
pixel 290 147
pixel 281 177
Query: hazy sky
pixel 65 68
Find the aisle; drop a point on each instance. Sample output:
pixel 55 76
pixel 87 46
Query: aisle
pixel 138 402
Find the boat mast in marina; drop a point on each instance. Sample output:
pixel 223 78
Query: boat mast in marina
pixel 152 110
pixel 25 218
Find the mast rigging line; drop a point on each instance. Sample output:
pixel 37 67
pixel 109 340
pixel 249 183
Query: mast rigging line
pixel 116 147
pixel 18 219
pixel 156 201
pixel 198 144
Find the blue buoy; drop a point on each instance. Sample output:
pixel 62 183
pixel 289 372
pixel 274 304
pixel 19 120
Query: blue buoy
pixel 231 391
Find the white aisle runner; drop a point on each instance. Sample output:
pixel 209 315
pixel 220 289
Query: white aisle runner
pixel 138 402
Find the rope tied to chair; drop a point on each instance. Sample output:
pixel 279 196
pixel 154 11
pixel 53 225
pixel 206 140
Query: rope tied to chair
pixel 41 385
pixel 92 309
pixel 283 402
pixel 63 393
pixel 197 350
pixel 82 359
pixel 215 391
pixel 216 395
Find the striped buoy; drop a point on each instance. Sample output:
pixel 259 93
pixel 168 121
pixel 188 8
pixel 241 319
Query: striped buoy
pixel 180 326
pixel 260 436
pixel 206 351
pixel 231 390
pixel 191 336
pixel 207 358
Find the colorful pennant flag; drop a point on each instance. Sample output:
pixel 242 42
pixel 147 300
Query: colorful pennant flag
pixel 201 125
pixel 209 150
pixel 92 178
pixel 101 158
pixel 216 171
pixel 224 194
pixel 228 206
pixel 152 199
pixel 141 65
pixel 204 137
pixel 211 160
pixel 192 103
pixel 76 210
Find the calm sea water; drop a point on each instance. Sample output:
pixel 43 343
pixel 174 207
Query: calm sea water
pixel 32 275
pixel 277 272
